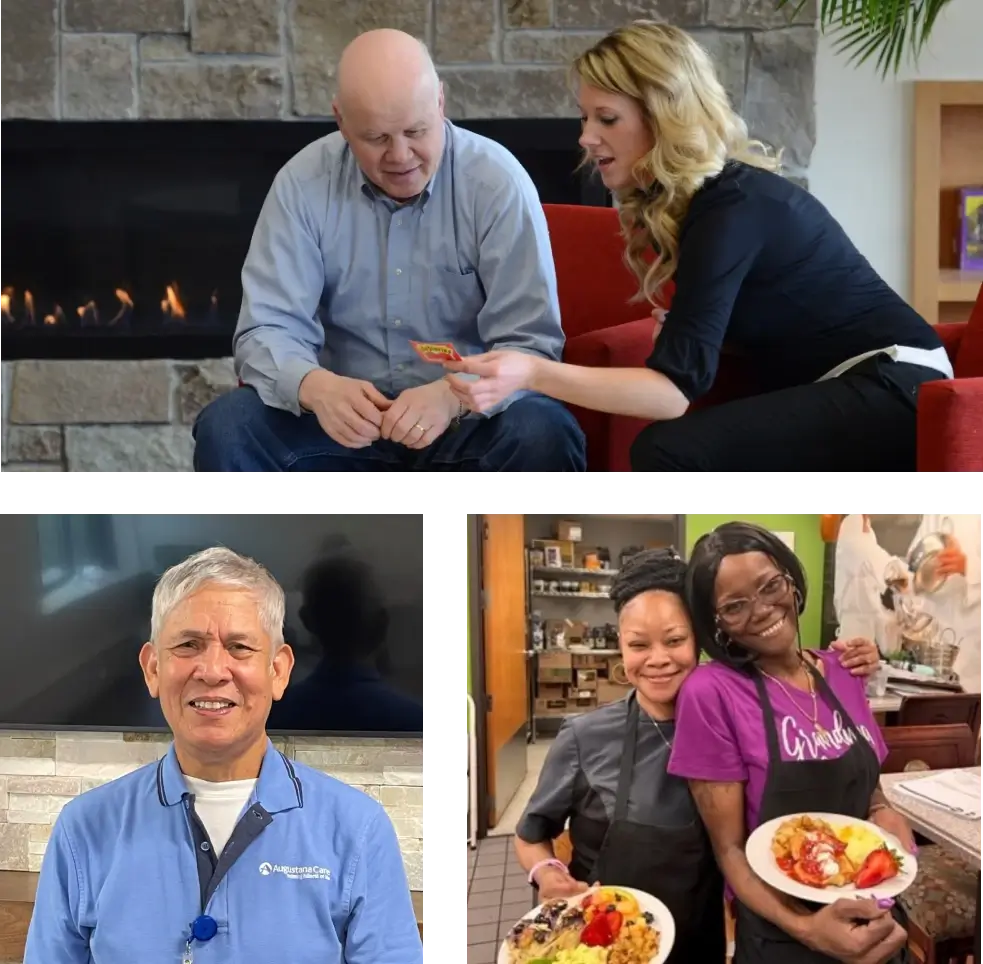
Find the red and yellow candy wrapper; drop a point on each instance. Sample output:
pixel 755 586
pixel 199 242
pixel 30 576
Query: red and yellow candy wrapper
pixel 437 351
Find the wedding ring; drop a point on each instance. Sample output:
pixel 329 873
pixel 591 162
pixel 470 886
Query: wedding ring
pixel 421 428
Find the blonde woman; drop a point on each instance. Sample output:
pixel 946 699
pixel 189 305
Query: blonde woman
pixel 758 264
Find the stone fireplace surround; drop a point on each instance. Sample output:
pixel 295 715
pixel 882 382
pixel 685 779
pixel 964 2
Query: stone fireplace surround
pixel 274 60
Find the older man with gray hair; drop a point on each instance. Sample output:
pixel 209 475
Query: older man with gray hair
pixel 224 851
pixel 399 228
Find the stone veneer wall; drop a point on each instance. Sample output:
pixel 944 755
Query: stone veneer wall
pixel 105 416
pixel 262 59
pixel 40 771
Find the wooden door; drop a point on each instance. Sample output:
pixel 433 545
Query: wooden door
pixel 504 630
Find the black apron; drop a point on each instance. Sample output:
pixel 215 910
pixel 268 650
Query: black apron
pixel 675 864
pixel 844 785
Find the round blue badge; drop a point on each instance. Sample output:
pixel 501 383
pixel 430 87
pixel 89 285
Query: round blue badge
pixel 204 928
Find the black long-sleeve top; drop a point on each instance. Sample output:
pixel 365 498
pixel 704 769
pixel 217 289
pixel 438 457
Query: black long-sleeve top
pixel 763 265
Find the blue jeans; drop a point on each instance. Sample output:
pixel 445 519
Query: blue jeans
pixel 238 433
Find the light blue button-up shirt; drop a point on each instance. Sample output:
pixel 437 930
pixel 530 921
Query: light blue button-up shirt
pixel 340 276
pixel 316 876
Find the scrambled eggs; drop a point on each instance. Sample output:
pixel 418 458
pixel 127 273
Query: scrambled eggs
pixel 582 955
pixel 859 842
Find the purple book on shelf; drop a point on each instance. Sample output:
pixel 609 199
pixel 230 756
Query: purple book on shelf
pixel 971 229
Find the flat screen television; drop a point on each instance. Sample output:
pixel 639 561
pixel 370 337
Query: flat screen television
pixel 75 605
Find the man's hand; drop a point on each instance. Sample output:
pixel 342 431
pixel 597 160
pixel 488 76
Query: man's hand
pixel 951 560
pixel 420 415
pixel 348 409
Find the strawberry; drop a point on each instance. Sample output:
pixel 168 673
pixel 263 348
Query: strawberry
pixel 597 933
pixel 880 865
pixel 615 920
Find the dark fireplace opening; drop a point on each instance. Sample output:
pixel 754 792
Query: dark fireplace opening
pixel 126 239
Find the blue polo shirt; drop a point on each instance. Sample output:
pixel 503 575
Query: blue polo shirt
pixel 312 874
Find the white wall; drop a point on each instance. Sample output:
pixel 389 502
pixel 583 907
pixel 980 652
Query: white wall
pixel 861 167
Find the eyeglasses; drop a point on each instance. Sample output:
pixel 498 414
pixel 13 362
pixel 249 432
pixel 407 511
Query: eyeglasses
pixel 737 612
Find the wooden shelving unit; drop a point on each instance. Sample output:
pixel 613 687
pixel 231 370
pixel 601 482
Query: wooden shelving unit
pixel 552 700
pixel 948 155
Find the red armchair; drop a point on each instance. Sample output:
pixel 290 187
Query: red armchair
pixel 950 412
pixel 604 330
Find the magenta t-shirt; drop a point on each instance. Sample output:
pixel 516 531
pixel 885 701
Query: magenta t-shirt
pixel 720 730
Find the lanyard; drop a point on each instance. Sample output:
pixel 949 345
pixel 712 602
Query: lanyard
pixel 203 929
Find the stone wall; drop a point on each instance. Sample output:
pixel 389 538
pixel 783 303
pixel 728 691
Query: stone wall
pixel 252 59
pixel 40 771
pixel 105 416
pixel 249 59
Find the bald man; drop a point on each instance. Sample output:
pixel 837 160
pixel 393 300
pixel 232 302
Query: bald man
pixel 398 227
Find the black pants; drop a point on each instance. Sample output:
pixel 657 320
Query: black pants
pixel 862 421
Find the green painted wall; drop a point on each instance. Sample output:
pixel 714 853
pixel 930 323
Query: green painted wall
pixel 808 547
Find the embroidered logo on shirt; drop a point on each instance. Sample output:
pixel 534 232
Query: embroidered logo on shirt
pixel 295 873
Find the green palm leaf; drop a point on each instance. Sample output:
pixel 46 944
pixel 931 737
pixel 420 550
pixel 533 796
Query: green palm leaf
pixel 885 28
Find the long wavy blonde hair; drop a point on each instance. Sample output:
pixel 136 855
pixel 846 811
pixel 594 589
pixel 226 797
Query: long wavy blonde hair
pixel 694 128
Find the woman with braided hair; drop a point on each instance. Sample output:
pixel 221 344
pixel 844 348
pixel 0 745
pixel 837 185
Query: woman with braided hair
pixel 768 729
pixel 632 823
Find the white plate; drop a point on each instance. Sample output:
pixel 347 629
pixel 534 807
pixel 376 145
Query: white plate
pixel 663 923
pixel 763 863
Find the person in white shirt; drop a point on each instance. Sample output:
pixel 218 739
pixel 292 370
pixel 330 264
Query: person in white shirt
pixel 956 604
pixel 859 582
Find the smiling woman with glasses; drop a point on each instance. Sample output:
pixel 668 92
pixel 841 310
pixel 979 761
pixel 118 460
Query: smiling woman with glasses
pixel 735 613
pixel 768 729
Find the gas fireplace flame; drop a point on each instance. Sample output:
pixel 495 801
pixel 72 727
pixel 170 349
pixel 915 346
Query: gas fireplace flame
pixel 5 304
pixel 9 310
pixel 171 305
pixel 88 313
pixel 21 311
pixel 125 307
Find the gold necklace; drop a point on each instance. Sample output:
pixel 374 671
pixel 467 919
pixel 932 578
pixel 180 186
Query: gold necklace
pixel 814 719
